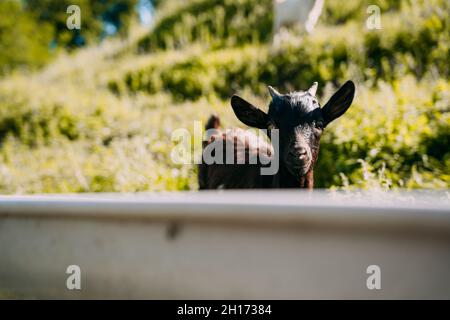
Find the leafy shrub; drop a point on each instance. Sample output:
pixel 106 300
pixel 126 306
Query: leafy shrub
pixel 214 22
pixel 393 129
pixel 101 119
pixel 418 45
pixel 340 12
pixel 21 45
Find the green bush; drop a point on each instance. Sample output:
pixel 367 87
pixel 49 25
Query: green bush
pixel 37 114
pixel 417 45
pixel 21 45
pixel 101 119
pixel 399 129
pixel 340 12
pixel 213 22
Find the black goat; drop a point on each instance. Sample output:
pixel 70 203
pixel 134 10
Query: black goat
pixel 300 122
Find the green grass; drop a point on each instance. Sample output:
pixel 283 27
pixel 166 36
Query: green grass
pixel 100 119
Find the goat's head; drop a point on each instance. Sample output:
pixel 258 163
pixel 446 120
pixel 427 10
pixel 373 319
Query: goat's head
pixel 300 121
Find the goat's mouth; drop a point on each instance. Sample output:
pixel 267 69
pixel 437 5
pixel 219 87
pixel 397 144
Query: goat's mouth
pixel 298 168
pixel 298 171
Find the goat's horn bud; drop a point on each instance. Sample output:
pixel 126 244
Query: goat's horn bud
pixel 274 93
pixel 312 91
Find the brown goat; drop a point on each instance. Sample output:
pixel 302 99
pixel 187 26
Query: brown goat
pixel 298 120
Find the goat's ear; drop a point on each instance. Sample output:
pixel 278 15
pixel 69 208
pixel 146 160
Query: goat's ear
pixel 339 102
pixel 248 113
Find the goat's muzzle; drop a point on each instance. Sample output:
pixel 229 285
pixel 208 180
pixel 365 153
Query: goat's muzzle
pixel 298 161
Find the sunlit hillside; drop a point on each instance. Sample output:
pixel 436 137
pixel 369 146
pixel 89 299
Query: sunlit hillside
pixel 100 119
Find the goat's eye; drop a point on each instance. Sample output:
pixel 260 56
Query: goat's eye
pixel 318 128
pixel 318 125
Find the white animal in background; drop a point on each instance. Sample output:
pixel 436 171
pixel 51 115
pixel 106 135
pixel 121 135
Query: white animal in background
pixel 306 13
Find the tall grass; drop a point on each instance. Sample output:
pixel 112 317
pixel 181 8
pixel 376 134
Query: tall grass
pixel 101 119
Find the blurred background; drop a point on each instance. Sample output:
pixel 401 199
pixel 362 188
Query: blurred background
pixel 92 110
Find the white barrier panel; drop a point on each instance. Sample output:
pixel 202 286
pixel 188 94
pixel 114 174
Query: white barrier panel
pixel 250 245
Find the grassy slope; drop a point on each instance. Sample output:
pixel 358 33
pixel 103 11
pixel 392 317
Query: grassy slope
pixel 101 120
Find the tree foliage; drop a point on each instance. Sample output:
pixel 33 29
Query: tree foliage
pixel 94 13
pixel 101 119
pixel 24 42
pixel 33 31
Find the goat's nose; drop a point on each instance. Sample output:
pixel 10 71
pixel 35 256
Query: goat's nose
pixel 301 151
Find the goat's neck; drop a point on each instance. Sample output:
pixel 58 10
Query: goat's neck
pixel 307 181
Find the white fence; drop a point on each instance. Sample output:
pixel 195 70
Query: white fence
pixel 225 245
